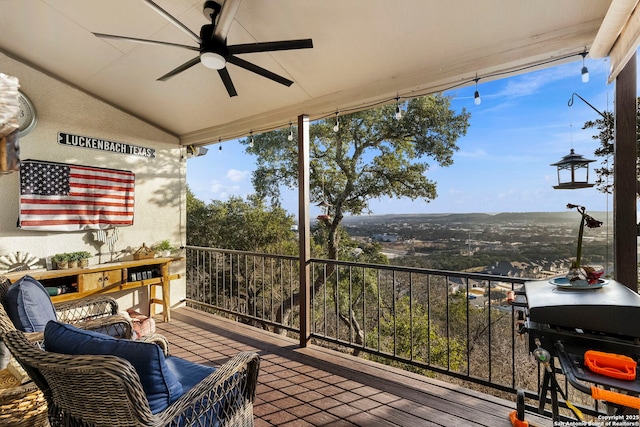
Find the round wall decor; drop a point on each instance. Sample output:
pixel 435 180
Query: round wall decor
pixel 18 261
pixel 27 118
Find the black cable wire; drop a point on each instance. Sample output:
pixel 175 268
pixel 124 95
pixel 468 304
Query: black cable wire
pixel 398 97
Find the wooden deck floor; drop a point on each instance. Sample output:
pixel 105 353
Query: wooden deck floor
pixel 319 387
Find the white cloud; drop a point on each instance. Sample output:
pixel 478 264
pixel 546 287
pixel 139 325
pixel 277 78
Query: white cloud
pixel 531 83
pixel 475 153
pixel 222 191
pixel 235 175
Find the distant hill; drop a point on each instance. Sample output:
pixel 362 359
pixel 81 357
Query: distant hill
pixel 477 218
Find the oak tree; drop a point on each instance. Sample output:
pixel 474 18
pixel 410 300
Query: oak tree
pixel 356 158
pixel 369 155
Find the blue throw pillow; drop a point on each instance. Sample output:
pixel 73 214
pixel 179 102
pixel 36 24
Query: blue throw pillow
pixel 28 305
pixel 160 384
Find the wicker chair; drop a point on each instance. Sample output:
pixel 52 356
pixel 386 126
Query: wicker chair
pixel 21 405
pixel 97 313
pixel 106 390
pixel 24 405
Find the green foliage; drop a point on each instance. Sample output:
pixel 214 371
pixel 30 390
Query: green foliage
pixel 198 220
pixel 62 257
pixel 412 335
pixel 349 248
pixel 164 245
pixel 79 255
pixel 606 133
pixel 246 225
pixel 498 295
pixel 372 155
pixel 397 150
pixel 70 256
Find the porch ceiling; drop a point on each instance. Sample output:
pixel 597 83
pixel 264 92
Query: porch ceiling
pixel 365 51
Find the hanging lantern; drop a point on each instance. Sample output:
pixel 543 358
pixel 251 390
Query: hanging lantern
pixel 573 172
pixel 325 216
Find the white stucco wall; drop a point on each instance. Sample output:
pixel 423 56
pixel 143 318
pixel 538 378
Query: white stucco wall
pixel 160 181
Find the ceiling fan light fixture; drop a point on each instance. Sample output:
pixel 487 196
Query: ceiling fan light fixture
pixel 212 44
pixel 213 60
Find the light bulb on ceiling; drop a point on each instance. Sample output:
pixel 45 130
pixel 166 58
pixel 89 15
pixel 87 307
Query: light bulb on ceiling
pixel 336 128
pixel 476 95
pixel 398 112
pixel 251 139
pixel 585 70
pixel 585 75
pixel 290 137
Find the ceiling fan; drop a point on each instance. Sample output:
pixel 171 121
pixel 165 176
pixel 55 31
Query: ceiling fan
pixel 212 44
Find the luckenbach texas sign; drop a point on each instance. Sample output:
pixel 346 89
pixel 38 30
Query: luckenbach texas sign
pixel 104 145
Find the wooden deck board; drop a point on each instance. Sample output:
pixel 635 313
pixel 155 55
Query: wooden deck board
pixel 315 386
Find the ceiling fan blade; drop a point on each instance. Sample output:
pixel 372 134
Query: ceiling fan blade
pixel 270 46
pixel 227 15
pixel 144 41
pixel 180 69
pixel 172 20
pixel 228 84
pixel 258 70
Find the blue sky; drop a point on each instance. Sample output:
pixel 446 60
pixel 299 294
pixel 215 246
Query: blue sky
pixel 522 126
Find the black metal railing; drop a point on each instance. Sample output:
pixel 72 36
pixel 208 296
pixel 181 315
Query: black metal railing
pixel 251 286
pixel 449 322
pixel 456 324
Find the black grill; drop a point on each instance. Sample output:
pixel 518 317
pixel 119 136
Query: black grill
pixel 567 322
pixel 604 319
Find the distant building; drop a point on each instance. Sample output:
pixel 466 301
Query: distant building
pixel 385 237
pixel 533 270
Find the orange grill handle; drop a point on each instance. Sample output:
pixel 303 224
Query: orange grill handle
pixel 611 365
pixel 613 397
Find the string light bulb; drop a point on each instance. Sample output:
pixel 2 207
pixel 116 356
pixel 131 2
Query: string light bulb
pixel 476 95
pixel 251 139
pixel 585 70
pixel 290 137
pixel 336 128
pixel 219 144
pixel 398 112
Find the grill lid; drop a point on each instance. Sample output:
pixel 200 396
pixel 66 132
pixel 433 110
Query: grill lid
pixel 612 309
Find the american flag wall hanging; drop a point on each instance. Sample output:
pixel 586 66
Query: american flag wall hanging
pixel 64 197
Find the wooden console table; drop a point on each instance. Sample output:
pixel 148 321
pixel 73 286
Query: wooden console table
pixel 109 277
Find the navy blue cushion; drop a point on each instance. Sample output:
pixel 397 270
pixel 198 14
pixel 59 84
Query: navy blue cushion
pixel 28 305
pixel 160 384
pixel 188 373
